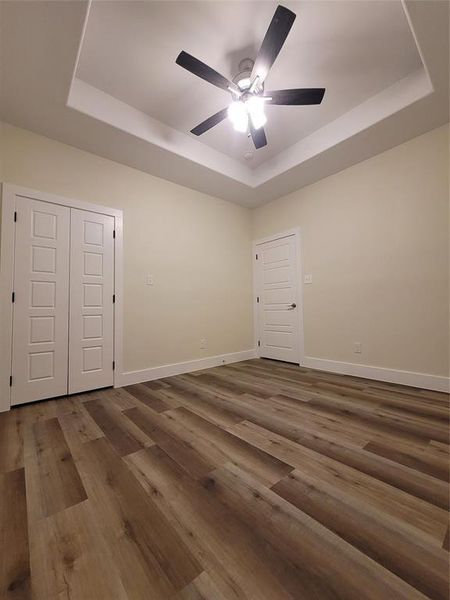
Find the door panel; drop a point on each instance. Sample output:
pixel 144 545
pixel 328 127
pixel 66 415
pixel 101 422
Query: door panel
pixel 41 285
pixel 91 301
pixel 277 282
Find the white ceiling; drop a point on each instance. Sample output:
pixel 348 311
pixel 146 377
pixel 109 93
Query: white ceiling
pixel 103 78
pixel 353 49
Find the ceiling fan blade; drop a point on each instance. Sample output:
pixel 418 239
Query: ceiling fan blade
pixel 273 41
pixel 197 67
pixel 299 96
pixel 258 136
pixel 211 122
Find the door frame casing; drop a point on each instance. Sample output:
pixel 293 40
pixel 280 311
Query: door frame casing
pixel 9 193
pixel 256 284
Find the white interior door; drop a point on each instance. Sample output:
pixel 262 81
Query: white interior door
pixel 91 301
pixel 277 279
pixel 41 296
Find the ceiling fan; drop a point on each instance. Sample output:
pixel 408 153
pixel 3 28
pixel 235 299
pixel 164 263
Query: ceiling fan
pixel 249 97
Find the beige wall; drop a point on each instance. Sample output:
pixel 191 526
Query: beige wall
pixel 375 238
pixel 198 248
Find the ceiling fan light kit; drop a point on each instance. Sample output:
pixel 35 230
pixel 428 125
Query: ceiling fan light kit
pixel 246 111
pixel 237 113
pixel 240 111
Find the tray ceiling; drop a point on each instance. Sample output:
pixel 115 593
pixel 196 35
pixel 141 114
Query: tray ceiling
pixel 353 49
pixel 102 76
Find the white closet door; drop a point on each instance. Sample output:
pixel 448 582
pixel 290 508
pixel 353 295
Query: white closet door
pixel 41 289
pixel 91 301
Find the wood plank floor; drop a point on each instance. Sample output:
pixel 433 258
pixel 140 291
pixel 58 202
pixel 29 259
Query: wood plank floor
pixel 253 481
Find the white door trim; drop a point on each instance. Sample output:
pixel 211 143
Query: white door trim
pixel 9 193
pixel 290 232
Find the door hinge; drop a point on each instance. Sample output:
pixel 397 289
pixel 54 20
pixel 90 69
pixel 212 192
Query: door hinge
pixel 15 216
pixel 13 297
pixel 114 298
pixel 257 299
pixel 114 365
pixel 256 257
pixel 259 343
pixel 10 381
pixel 114 233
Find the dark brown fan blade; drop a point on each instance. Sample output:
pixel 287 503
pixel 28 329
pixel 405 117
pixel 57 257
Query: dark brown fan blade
pixel 299 96
pixel 211 122
pixel 258 137
pixel 197 67
pixel 273 41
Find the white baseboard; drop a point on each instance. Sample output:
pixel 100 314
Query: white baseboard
pixel 419 380
pixel 130 377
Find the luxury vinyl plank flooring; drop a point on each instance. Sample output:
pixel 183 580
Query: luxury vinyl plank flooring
pixel 51 475
pixel 122 435
pixel 15 580
pixel 11 441
pixel 253 481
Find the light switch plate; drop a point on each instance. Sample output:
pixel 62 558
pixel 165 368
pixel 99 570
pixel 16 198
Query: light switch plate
pixel 149 280
pixel 307 278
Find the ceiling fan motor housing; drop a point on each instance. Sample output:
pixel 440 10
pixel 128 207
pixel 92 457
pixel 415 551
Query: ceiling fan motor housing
pixel 245 70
